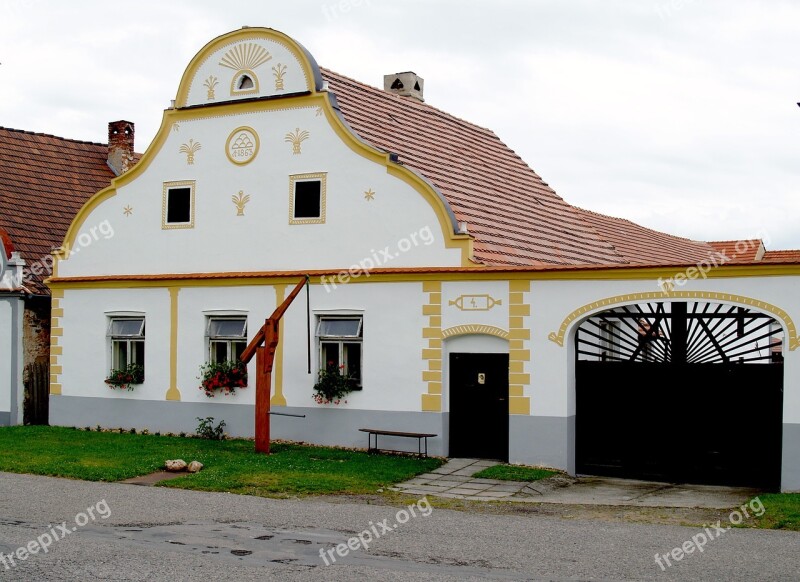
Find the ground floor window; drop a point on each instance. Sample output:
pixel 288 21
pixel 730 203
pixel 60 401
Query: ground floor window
pixel 340 341
pixel 227 338
pixel 126 336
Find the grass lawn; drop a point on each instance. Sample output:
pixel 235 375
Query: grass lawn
pixel 230 465
pixel 782 511
pixel 515 473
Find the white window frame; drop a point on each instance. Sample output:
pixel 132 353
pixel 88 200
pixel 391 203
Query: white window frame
pixel 128 339
pixel 341 340
pixel 229 340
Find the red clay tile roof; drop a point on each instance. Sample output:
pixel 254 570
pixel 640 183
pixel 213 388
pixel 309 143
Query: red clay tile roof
pixel 790 256
pixel 514 216
pixel 44 181
pixel 640 245
pixel 739 250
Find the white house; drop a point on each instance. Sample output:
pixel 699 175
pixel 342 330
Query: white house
pixel 469 299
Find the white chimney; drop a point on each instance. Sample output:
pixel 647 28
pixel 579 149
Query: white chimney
pixel 406 84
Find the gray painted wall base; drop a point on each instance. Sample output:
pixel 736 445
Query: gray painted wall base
pixel 322 425
pixel 790 471
pixel 5 418
pixel 542 440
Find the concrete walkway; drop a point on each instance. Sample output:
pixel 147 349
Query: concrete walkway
pixel 455 479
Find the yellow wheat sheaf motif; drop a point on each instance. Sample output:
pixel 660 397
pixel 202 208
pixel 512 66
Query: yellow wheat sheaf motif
pixel 296 138
pixel 279 72
pixel 240 202
pixel 190 149
pixel 245 56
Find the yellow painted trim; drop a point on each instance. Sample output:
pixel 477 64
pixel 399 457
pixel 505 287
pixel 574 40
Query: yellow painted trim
pixel 55 321
pixel 53 378
pixel 239 92
pixel 431 402
pixel 432 287
pixel 431 375
pixel 435 388
pixel 519 334
pixel 516 323
pixel 435 365
pixel 519 310
pixel 474 329
pixel 435 343
pixel 780 314
pixel 516 367
pixel 431 310
pixel 56 350
pixel 173 393
pixel 57 312
pixel 56 370
pixel 57 294
pixel 254 33
pixel 519 287
pixel 432 332
pixel 53 359
pixel 279 399
pixel 520 355
pixel 516 298
pixel 56 332
pixel 517 378
pixel 432 354
pixel 55 389
pixel 323 196
pixel 516 391
pixel 435 321
pixel 516 344
pixel 519 405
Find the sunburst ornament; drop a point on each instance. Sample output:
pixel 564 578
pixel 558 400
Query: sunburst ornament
pixel 247 55
pixel 369 195
pixel 128 210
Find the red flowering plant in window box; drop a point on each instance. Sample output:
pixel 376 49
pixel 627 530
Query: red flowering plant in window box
pixel 126 378
pixel 332 385
pixel 222 378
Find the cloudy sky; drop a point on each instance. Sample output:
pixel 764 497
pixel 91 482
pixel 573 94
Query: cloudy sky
pixel 678 114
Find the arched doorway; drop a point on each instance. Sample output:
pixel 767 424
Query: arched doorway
pixel 680 391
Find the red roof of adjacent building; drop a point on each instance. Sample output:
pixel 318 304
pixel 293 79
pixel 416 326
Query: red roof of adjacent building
pixel 44 181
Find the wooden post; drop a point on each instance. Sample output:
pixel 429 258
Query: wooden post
pixel 263 392
pixel 265 359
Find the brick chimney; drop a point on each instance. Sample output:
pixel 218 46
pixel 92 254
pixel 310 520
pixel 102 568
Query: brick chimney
pixel 120 146
pixel 406 84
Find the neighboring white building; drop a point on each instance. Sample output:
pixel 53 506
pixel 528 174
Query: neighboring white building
pixel 445 274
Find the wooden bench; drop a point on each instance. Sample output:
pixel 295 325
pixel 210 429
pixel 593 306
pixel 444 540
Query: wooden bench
pixel 420 436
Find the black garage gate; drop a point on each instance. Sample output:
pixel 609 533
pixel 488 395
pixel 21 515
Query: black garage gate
pixel 687 392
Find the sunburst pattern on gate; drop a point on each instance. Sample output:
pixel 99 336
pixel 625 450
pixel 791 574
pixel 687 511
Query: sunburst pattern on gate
pixel 691 332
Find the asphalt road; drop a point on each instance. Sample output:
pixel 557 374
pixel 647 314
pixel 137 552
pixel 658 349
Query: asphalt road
pixel 151 533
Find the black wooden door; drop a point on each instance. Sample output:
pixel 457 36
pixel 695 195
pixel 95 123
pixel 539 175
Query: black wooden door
pixel 479 406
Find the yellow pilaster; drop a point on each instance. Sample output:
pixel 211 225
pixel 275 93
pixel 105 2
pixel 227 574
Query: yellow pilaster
pixel 519 355
pixel 172 392
pixel 432 354
pixel 279 399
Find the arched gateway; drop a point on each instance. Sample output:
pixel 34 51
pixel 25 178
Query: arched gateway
pixel 685 391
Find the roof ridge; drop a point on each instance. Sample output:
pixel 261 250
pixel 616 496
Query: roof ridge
pixel 26 132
